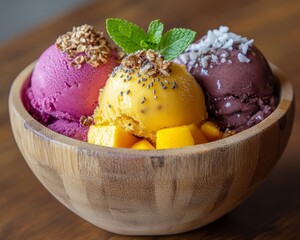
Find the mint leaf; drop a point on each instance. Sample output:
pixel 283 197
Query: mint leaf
pixel 132 38
pixel 147 44
pixel 175 41
pixel 155 31
pixel 125 34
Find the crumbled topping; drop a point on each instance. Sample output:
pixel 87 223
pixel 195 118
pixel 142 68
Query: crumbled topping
pixel 86 121
pixel 215 48
pixel 148 70
pixel 147 62
pixel 228 133
pixel 120 54
pixel 84 44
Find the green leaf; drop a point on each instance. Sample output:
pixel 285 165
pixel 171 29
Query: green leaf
pixel 175 41
pixel 147 44
pixel 155 31
pixel 132 38
pixel 125 34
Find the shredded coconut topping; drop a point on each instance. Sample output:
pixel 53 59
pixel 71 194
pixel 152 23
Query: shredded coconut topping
pixel 208 49
pixel 84 44
pixel 147 62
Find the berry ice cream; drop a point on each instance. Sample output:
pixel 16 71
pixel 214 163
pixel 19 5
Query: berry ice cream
pixel 237 80
pixel 67 77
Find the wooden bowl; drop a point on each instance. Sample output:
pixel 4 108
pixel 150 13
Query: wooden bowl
pixel 152 192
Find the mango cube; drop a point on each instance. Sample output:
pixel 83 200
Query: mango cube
pixel 197 134
pixel 174 137
pixel 142 145
pixel 110 136
pixel 211 131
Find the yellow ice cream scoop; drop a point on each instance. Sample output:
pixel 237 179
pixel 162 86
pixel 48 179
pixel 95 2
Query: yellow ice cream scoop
pixel 142 103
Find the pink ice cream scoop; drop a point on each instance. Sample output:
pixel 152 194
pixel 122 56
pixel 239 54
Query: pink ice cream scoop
pixel 70 129
pixel 64 91
pixel 66 80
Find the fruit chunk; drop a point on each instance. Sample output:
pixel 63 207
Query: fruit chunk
pixel 197 134
pixel 211 131
pixel 142 145
pixel 174 137
pixel 110 136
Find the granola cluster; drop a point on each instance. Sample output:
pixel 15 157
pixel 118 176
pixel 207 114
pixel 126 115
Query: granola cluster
pixel 148 62
pixel 84 44
pixel 86 121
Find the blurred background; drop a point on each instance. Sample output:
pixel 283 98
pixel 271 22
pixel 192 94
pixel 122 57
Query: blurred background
pixel 26 14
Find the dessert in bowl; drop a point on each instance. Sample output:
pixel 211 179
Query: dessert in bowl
pixel 151 192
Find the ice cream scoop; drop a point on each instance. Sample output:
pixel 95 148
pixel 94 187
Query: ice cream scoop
pixel 70 129
pixel 67 77
pixel 236 78
pixel 143 97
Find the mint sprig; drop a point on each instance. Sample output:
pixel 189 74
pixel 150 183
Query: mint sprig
pixel 132 38
pixel 155 31
pixel 175 41
pixel 125 34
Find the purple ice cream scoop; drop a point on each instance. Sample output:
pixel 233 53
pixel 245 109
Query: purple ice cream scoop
pixel 66 80
pixel 64 91
pixel 70 129
pixel 236 78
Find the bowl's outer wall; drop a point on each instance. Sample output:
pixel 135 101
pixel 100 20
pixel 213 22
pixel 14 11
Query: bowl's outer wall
pixel 151 192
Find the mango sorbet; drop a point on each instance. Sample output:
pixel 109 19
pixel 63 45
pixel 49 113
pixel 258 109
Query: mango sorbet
pixel 145 94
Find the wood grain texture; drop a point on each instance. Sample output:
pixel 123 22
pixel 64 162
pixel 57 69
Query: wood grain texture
pixel 28 211
pixel 123 191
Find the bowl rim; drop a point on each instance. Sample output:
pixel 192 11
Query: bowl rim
pixel 15 101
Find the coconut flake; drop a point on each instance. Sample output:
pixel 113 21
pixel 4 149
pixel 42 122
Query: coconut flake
pixel 206 49
pixel 203 62
pixel 214 58
pixel 228 44
pixel 224 55
pixel 223 60
pixel 223 29
pixel 242 58
pixel 245 49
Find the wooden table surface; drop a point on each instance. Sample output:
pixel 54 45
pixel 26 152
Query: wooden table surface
pixel 28 211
